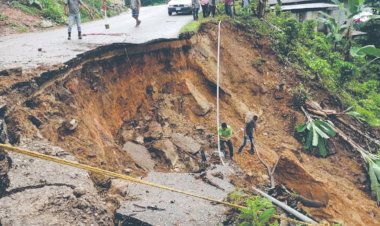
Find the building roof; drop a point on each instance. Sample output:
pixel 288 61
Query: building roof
pixel 287 2
pixel 308 6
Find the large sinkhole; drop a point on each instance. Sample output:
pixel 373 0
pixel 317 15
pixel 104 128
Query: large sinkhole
pixel 154 96
pixel 158 100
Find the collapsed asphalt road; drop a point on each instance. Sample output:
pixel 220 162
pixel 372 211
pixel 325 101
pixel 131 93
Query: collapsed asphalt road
pixel 52 47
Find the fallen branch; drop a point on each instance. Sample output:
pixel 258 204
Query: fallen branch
pixel 149 207
pixel 269 169
pixel 372 140
pixel 316 109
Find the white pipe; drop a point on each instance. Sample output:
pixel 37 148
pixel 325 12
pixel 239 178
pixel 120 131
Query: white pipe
pixel 217 94
pixel 286 207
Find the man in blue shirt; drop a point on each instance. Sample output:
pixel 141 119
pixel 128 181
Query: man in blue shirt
pixel 249 127
pixel 73 9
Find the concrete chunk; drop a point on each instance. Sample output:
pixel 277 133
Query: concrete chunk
pixel 140 155
pixel 185 143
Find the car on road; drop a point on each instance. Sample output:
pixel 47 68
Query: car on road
pixel 179 6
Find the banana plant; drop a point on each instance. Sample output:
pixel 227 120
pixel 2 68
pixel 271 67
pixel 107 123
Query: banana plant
pixel 317 132
pixel 369 50
pixel 373 162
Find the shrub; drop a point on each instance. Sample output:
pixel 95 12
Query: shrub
pixel 258 212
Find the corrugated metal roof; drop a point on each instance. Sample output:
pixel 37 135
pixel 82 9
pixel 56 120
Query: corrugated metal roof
pixel 308 6
pixel 286 2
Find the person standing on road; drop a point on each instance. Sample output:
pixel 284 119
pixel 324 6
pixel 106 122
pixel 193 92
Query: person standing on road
pixel 213 7
pixel 135 6
pixel 195 4
pixel 225 133
pixel 228 7
pixel 250 125
pixel 72 8
pixel 205 8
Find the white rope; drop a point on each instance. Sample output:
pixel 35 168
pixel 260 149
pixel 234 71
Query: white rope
pixel 217 95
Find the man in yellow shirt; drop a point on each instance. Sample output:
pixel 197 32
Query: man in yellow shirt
pixel 225 133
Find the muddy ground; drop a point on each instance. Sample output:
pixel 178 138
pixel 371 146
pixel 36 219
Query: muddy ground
pixel 159 98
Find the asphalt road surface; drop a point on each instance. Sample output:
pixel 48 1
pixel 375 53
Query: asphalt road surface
pixel 52 47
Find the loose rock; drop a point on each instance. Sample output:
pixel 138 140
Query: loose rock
pixel 140 155
pixel 168 149
pixel 187 144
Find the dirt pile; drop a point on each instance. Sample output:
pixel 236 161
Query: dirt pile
pixel 13 20
pixel 158 98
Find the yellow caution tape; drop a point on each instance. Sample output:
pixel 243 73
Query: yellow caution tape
pixel 125 177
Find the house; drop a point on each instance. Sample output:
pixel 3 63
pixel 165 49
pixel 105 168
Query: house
pixel 306 9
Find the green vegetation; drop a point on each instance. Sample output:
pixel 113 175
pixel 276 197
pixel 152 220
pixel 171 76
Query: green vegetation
pixel 259 212
pixel 316 134
pixel 22 28
pixel 373 162
pixel 336 60
pixel 192 27
pixel 322 58
pixel 2 17
pixel 238 196
pixel 54 9
pixel 29 10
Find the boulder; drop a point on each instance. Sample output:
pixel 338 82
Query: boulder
pixel 46 24
pixel 140 155
pixel 154 132
pixel 168 149
pixel 185 143
pixel 292 174
pixel 202 106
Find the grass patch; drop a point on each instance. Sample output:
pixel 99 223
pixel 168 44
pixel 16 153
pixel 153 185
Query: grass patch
pixel 22 28
pixel 3 17
pixel 191 27
pixel 26 9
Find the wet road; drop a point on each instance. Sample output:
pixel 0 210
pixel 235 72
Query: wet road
pixel 23 49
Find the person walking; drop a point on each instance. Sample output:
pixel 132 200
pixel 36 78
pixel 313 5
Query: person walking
pixel 250 125
pixel 72 8
pixel 195 4
pixel 213 7
pixel 135 6
pixel 228 7
pixel 205 7
pixel 225 133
